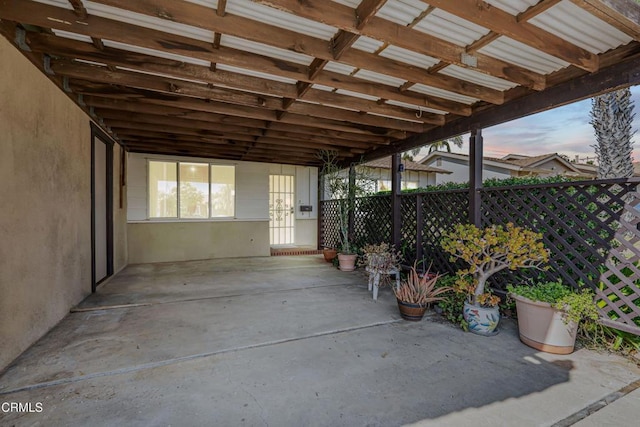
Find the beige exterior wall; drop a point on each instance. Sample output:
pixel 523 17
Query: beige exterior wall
pixel 306 232
pixel 120 249
pixel 45 217
pixel 182 241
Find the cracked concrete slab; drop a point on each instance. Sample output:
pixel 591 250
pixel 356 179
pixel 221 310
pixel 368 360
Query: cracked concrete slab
pixel 303 345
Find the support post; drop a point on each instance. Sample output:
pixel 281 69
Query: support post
pixel 321 218
pixel 396 216
pixel 419 227
pixel 475 177
pixel 351 201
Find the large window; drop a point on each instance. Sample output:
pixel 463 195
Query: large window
pixel 191 190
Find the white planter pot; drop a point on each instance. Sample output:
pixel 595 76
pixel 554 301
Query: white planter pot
pixel 542 327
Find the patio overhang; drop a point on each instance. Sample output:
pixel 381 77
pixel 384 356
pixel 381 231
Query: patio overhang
pixel 279 80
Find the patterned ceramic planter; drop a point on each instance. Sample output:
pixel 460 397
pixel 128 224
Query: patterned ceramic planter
pixel 481 320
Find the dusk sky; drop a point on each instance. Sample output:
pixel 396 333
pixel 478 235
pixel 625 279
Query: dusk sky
pixel 564 130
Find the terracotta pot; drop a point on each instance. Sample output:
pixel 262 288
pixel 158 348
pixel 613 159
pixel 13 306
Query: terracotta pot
pixel 412 312
pixel 481 320
pixel 542 327
pixel 347 262
pixel 329 254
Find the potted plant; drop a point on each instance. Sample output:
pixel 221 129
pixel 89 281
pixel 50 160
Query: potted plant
pixel 416 293
pixel 329 254
pixel 488 251
pixel 549 313
pixel 381 263
pixel 338 185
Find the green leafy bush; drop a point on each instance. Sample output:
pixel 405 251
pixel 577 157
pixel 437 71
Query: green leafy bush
pixel 452 303
pixel 577 305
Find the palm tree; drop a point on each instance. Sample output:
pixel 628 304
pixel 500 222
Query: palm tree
pixel 446 144
pixel 435 146
pixel 611 118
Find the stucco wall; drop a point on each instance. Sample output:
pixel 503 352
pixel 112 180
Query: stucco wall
pixel 245 235
pixel 45 248
pixel 120 249
pixel 181 241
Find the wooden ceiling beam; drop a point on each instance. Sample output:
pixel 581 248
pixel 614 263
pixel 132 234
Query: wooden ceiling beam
pixel 501 22
pixel 127 128
pixel 116 118
pixel 622 14
pixel 150 64
pixel 203 17
pixel 184 88
pixel 342 17
pixel 181 134
pixel 212 149
pixel 623 73
pixel 536 9
pixel 107 108
pixel 187 110
pixel 38 15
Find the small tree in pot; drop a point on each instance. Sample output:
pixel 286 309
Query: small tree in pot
pixel 337 185
pixel 488 251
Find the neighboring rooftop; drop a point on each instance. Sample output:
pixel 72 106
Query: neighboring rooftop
pixel 409 165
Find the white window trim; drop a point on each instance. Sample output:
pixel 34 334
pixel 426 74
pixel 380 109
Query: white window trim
pixel 178 218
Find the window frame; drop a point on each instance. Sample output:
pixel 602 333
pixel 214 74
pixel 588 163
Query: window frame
pixel 178 218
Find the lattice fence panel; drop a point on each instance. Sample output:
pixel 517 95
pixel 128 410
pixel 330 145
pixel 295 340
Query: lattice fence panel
pixel 330 224
pixel 584 226
pixel 441 211
pixel 372 220
pixel 409 230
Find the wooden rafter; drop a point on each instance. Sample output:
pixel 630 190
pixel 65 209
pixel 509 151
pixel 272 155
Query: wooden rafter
pixel 257 101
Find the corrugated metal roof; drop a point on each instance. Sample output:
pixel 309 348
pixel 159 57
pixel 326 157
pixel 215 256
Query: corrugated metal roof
pixel 449 27
pixel 367 44
pixel 322 87
pixel 477 78
pixel 387 116
pixel 72 36
pixel 357 94
pixel 59 3
pixel 379 78
pixel 428 90
pixel 402 12
pixel 339 68
pixel 568 21
pixel 263 49
pixel 153 52
pixel 277 18
pixel 351 3
pixel 408 57
pixel 255 74
pixel 150 73
pixel 513 7
pixel 418 108
pixel 208 3
pixel 147 21
pixel 517 53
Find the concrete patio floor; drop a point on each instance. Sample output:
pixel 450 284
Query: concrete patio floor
pixel 291 341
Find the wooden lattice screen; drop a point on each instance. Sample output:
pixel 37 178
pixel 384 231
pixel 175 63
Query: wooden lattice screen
pixel 590 242
pixel 590 227
pixel 441 211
